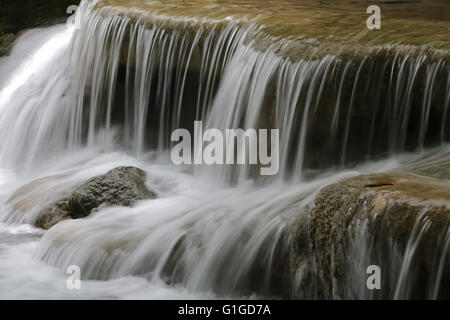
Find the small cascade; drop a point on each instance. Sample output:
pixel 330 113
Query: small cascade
pixel 33 99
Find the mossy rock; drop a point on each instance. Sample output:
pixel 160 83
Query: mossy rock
pixel 395 211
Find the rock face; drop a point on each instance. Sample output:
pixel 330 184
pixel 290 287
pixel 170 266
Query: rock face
pixel 121 186
pixel 399 222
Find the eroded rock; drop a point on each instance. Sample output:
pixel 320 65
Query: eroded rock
pixel 121 186
pixel 402 215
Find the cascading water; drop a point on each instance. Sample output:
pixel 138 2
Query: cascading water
pixel 111 92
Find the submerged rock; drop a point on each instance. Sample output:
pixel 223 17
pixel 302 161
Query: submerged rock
pixel 399 222
pixel 121 186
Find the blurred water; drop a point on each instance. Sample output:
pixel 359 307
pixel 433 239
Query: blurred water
pixel 211 231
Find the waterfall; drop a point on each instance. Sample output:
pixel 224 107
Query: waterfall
pixel 32 100
pixel 146 79
pixel 111 92
pixel 376 103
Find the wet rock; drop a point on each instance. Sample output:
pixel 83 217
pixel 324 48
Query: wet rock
pixel 382 219
pixel 53 214
pixel 121 186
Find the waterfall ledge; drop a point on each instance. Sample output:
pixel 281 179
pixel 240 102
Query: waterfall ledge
pixel 399 222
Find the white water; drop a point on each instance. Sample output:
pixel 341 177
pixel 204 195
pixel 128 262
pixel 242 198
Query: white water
pixel 215 222
pixel 204 236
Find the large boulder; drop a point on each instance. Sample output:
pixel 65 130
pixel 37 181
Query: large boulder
pixel 121 186
pixel 399 222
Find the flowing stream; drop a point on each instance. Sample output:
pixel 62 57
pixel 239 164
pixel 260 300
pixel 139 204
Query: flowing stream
pixel 77 102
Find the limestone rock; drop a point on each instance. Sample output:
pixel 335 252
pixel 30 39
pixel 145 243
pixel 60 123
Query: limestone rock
pixel 405 216
pixel 121 186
